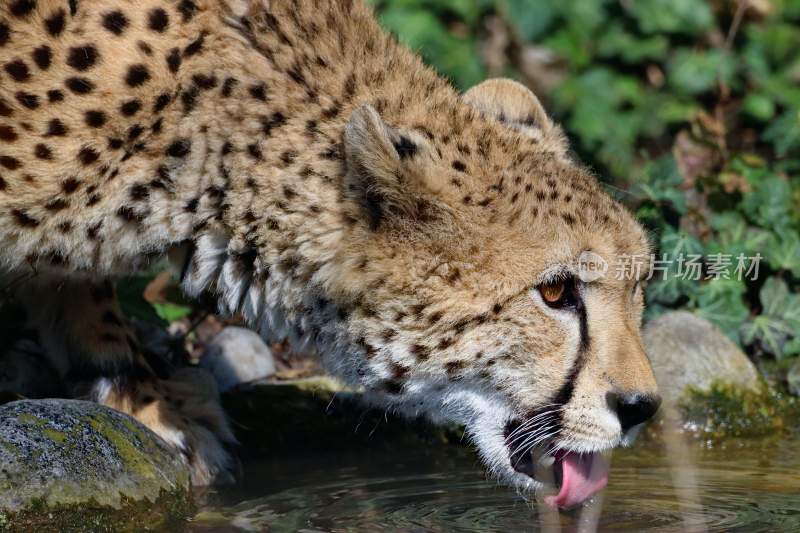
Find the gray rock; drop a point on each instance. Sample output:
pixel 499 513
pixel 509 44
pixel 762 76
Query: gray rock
pixel 237 355
pixel 793 378
pixel 56 454
pixel 686 349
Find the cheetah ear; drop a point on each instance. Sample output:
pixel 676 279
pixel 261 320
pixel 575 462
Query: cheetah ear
pixel 510 102
pixel 375 179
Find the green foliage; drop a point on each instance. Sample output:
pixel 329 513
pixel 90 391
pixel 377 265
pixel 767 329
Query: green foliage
pixel 690 110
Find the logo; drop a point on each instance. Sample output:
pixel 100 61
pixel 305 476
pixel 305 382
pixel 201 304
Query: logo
pixel 591 267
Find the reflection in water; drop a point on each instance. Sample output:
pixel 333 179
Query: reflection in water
pixel 742 487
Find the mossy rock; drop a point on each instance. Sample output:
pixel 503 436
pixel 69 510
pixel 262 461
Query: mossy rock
pixel 68 465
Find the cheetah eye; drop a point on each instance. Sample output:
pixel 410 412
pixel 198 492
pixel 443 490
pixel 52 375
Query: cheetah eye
pixel 552 292
pixel 559 293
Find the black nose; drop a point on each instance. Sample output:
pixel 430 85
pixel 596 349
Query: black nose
pixel 633 409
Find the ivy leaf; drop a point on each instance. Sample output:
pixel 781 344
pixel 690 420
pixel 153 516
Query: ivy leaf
pixel 785 253
pixel 720 301
pixel 779 321
pixel 769 204
pixel 530 18
pixel 693 72
pixel 672 16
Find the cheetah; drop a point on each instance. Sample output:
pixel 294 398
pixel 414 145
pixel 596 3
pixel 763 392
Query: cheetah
pixel 300 164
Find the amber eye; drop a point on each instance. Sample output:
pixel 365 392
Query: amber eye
pixel 552 292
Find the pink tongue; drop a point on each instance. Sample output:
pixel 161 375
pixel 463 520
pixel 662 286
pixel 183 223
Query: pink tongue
pixel 584 475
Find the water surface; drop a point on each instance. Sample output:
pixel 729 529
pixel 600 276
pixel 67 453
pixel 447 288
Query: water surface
pixel 742 486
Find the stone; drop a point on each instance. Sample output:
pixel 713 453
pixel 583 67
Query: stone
pixel 687 350
pixel 236 356
pixel 793 377
pixel 63 461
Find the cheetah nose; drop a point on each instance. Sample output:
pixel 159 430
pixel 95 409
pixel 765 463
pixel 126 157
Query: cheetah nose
pixel 633 408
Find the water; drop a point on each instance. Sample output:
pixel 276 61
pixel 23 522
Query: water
pixel 743 486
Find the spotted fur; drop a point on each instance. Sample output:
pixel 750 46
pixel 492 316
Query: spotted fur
pixel 328 186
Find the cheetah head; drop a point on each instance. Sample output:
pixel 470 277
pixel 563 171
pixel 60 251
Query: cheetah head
pixel 466 298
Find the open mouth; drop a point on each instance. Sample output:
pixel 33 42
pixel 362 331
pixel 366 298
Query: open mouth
pixel 576 476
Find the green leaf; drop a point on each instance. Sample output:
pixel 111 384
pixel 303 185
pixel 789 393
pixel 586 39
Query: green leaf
pixel 693 72
pixel 530 18
pixel 784 132
pixel 721 302
pixel 785 253
pixel 779 320
pixel 672 16
pixel 171 312
pixel 769 204
pixel 759 106
pixel 455 57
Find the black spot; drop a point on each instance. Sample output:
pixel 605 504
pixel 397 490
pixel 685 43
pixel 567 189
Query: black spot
pixel 139 192
pixel 144 47
pixel 157 125
pixel 56 204
pixel 255 151
pixel 42 151
pixel 187 9
pixel 459 166
pixel 420 352
pixel 130 108
pixel 115 143
pixel 189 98
pixel 195 46
pixel 174 60
pixel 55 23
pixel 191 205
pixel 70 185
pixel 22 8
pixel 4 33
pixel 204 81
pixel 18 70
pixel 496 308
pixel 288 157
pixel 259 92
pixel 179 148
pixel 87 156
pixel 134 132
pixel 11 163
pixel 79 85
pixel 8 134
pixel 157 20
pixel 24 219
pixel 129 214
pixel 115 22
pixel 162 101
pixel 405 147
pixel 275 121
pixel 43 56
pixel 73 6
pixel 56 128
pixel 82 57
pixel 228 85
pixel 31 101
pixel 137 75
pixel 94 118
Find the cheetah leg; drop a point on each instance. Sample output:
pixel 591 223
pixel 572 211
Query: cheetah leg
pixel 94 349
